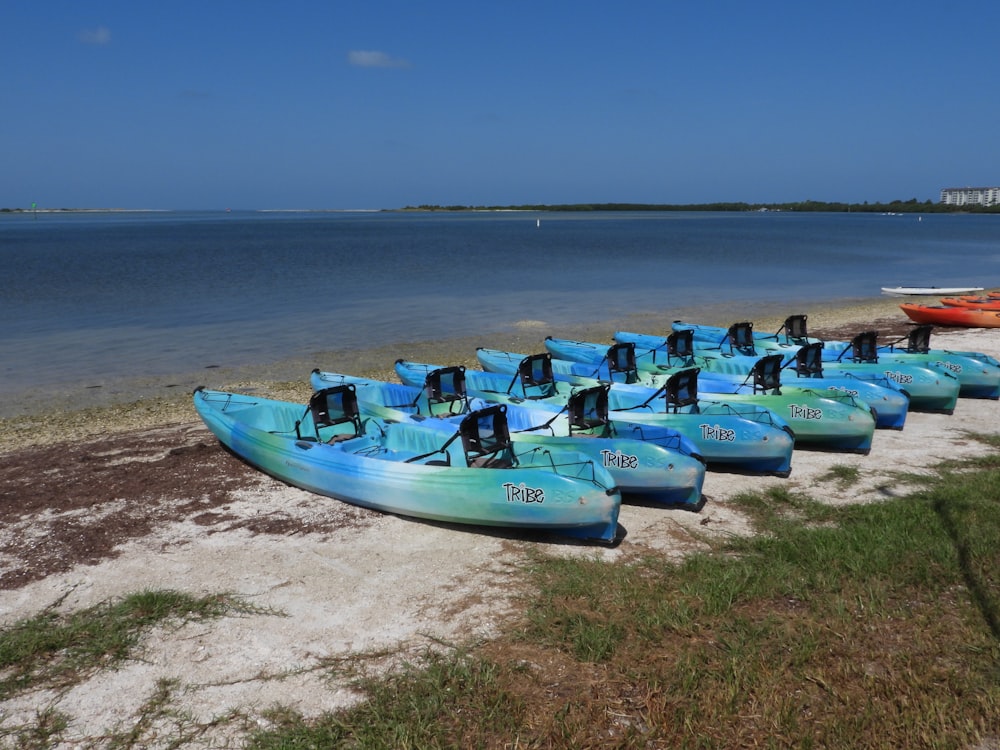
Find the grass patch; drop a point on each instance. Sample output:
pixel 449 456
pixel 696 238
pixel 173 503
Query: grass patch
pixel 778 509
pixel 868 626
pixel 845 476
pixel 45 732
pixel 56 650
pixel 451 700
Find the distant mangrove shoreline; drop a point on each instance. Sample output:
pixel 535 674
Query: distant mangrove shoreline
pixel 84 210
pixel 912 206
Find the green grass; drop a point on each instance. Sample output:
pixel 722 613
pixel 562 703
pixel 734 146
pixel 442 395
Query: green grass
pixel 862 626
pixel 46 731
pixel 866 626
pixel 845 476
pixel 454 700
pixel 56 650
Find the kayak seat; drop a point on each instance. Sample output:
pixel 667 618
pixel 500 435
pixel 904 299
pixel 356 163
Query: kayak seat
pixel 740 338
pixel 681 389
pixel 534 373
pixel 446 387
pixel 587 409
pixel 336 409
pixel 809 360
pixel 766 374
pixel 795 329
pixel 621 358
pixel 919 340
pixel 680 344
pixel 486 438
pixel 864 347
pixel 491 462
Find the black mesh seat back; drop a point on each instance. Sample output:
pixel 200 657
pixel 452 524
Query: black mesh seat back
pixel 795 327
pixel 445 384
pixel 741 337
pixel 681 344
pixel 588 408
pixel 919 340
pixel 767 373
pixel 864 347
pixel 534 372
pixel 335 406
pixel 486 438
pixel 621 358
pixel 681 388
pixel 809 360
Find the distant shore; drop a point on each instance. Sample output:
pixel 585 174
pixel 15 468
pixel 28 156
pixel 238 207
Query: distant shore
pixel 84 210
pixel 912 206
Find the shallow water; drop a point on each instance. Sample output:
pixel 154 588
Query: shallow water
pixel 89 299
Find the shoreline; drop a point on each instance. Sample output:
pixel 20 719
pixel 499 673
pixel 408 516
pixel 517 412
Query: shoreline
pixel 44 416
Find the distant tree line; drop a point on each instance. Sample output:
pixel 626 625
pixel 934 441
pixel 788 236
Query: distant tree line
pixel 897 206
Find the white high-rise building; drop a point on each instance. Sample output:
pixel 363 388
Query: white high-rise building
pixel 971 196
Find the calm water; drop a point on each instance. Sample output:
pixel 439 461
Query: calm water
pixel 88 296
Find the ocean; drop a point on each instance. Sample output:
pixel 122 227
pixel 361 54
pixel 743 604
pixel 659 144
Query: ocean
pixel 90 297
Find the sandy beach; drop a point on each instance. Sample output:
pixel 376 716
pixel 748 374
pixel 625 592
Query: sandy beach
pixel 122 489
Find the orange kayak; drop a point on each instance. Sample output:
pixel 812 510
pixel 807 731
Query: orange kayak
pixel 973 303
pixel 943 315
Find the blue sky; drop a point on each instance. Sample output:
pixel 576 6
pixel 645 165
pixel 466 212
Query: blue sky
pixel 386 104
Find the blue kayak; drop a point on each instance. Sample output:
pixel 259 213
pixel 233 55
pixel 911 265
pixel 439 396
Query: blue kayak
pixel 471 473
pixel 804 368
pixel 978 374
pixel 821 419
pixel 755 441
pixel 649 464
pixel 931 386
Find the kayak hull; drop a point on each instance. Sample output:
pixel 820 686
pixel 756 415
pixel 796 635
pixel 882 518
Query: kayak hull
pixel 944 315
pixel 377 470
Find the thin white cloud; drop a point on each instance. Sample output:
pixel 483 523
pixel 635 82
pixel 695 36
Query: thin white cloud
pixel 99 36
pixel 374 59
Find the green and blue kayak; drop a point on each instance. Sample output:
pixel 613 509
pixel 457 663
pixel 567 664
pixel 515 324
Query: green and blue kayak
pixel 978 374
pixel 751 440
pixel 649 464
pixel 646 359
pixel 933 379
pixel 466 474
pixel 821 419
